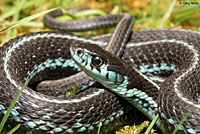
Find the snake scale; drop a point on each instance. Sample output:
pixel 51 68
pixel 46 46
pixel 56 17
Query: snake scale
pixel 161 53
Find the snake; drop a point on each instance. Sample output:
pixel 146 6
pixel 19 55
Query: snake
pixel 172 98
pixel 115 45
pixel 46 55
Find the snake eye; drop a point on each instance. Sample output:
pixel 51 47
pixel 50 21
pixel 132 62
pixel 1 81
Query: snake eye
pixel 78 52
pixel 97 61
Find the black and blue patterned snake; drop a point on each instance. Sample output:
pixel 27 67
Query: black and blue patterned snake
pixel 157 73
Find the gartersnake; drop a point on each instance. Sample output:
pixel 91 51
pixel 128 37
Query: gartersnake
pixel 115 45
pixel 45 55
pixel 172 98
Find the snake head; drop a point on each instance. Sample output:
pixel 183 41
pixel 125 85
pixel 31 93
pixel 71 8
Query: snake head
pixel 98 63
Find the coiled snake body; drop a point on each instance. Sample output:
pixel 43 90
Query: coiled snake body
pixel 46 55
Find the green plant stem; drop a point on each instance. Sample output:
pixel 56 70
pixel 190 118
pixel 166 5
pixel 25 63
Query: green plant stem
pixel 167 14
pixel 18 7
pixel 183 119
pixel 153 12
pixel 151 125
pixel 26 19
pixel 14 129
pixel 120 6
pixel 12 11
pixel 3 121
pixel 98 132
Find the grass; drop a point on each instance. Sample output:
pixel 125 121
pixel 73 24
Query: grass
pixel 3 121
pixel 151 125
pixel 167 14
pixel 14 129
pixel 183 119
pixel 148 14
pixel 22 21
pixel 24 16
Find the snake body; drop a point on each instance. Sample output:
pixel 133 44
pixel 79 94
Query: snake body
pixel 172 98
pixel 46 55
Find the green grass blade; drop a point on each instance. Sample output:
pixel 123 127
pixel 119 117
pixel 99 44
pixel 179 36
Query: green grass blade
pixel 18 8
pixel 167 14
pixel 8 35
pixel 26 19
pixel 90 12
pixel 183 119
pixel 3 121
pixel 66 3
pixel 12 11
pixel 79 15
pixel 14 129
pixel 7 14
pixel 120 6
pixel 186 14
pixel 15 18
pixel 153 12
pixel 33 24
pixel 98 132
pixel 151 125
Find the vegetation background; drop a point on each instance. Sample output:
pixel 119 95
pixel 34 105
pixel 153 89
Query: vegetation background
pixel 18 17
pixel 148 13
